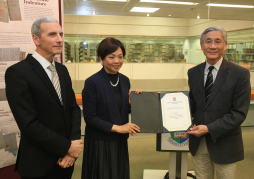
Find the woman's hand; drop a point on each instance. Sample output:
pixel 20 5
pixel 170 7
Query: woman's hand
pixel 126 128
pixel 137 91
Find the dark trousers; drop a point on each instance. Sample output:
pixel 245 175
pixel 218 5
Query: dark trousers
pixel 59 173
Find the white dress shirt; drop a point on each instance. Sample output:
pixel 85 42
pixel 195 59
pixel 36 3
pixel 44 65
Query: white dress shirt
pixel 44 63
pixel 214 71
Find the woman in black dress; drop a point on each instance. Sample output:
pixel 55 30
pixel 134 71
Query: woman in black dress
pixel 106 108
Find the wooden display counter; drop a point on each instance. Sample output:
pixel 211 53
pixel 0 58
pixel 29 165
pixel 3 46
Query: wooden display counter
pixel 79 97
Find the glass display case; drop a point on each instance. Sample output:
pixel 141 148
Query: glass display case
pixel 141 50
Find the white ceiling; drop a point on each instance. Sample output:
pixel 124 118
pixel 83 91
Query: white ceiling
pixel 113 8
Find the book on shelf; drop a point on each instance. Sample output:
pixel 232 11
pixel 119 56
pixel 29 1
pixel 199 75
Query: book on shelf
pixel 248 45
pixel 231 46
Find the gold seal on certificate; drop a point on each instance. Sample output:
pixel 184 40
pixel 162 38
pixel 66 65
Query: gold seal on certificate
pixel 161 112
pixel 175 112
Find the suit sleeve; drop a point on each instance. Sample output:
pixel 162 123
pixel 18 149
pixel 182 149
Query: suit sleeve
pixel 238 111
pixel 89 98
pixel 24 110
pixel 191 98
pixel 75 111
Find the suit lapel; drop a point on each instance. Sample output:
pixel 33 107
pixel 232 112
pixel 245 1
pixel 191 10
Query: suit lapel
pixel 125 98
pixel 62 83
pixel 43 76
pixel 221 76
pixel 200 78
pixel 114 113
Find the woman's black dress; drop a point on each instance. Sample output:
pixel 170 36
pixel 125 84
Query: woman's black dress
pixel 107 159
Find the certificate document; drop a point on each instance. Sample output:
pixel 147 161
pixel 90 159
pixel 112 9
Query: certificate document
pixel 161 112
pixel 175 112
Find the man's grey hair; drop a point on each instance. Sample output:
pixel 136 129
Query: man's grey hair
pixel 36 27
pixel 212 28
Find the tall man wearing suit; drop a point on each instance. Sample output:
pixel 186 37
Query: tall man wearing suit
pixel 220 99
pixel 40 95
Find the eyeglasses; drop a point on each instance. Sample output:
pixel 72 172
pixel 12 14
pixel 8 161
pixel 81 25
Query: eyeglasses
pixel 216 43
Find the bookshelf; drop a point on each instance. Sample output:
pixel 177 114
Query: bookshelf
pixel 85 51
pixel 240 53
pixel 157 52
pixel 134 52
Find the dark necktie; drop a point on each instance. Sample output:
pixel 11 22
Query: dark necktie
pixel 209 83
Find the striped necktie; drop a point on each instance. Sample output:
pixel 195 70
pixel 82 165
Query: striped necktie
pixel 209 83
pixel 55 81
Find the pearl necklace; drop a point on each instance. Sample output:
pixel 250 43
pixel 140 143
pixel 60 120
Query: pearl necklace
pixel 114 85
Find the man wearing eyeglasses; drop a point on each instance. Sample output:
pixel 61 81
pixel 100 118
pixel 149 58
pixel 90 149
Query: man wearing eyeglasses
pixel 220 99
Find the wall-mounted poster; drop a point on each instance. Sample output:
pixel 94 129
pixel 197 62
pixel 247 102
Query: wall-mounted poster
pixel 198 50
pixel 16 19
pixel 185 51
pixel 4 14
pixel 14 10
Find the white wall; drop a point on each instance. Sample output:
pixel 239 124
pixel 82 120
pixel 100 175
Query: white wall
pixel 125 25
pixel 228 25
pixel 146 26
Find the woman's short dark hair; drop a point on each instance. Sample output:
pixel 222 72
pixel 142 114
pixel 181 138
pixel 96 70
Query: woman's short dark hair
pixel 108 46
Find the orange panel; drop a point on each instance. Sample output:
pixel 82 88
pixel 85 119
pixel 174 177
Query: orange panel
pixel 252 94
pixel 79 99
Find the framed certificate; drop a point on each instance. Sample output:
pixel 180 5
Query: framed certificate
pixel 161 112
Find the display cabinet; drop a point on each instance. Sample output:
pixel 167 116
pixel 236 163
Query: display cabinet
pixel 67 51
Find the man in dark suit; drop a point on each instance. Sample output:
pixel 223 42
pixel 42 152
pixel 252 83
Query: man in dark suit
pixel 39 92
pixel 220 99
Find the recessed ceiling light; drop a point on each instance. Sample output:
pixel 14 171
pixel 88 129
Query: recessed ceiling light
pixel 170 2
pixel 147 15
pixel 198 17
pixel 144 9
pixel 229 5
pixel 169 15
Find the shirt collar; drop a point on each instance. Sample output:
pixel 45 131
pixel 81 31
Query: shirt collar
pixel 216 65
pixel 44 63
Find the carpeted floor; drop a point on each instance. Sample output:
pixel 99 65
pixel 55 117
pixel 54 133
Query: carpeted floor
pixel 143 155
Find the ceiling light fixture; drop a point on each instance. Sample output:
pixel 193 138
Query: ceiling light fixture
pixel 169 15
pixel 94 12
pixel 170 2
pixel 144 9
pixel 147 15
pixel 198 17
pixel 229 5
